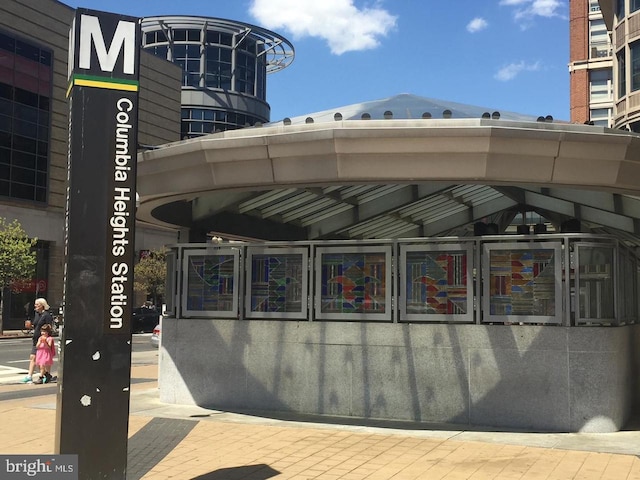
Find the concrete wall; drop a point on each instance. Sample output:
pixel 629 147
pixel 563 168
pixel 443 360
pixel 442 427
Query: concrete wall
pixel 525 377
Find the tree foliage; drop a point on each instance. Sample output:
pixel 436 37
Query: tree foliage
pixel 150 273
pixel 17 258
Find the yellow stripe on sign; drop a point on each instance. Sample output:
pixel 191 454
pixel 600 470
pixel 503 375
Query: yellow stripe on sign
pixel 109 85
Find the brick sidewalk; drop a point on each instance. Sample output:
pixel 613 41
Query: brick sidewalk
pixel 212 448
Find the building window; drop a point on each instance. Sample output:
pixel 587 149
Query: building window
pixel 218 67
pixel 634 50
pixel 622 75
pixel 155 37
pixel 201 121
pixel 634 5
pixel 601 116
pixel 181 35
pixel 25 102
pixel 188 57
pixel 600 86
pixel 245 73
pixel 598 39
pixel 620 9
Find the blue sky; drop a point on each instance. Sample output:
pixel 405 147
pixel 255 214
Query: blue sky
pixel 508 55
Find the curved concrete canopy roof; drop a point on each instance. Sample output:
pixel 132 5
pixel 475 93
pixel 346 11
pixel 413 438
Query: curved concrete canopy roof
pixel 392 178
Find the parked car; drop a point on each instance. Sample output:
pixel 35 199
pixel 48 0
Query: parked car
pixel 155 336
pixel 144 319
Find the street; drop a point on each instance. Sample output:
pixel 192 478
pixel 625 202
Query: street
pixel 14 356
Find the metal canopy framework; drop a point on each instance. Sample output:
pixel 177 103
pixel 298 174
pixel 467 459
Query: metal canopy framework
pixel 426 210
pixel 278 51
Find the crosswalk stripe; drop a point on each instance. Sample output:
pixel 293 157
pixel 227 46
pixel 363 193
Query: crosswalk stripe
pixel 10 375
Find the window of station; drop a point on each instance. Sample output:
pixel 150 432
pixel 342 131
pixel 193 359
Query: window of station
pixel 25 97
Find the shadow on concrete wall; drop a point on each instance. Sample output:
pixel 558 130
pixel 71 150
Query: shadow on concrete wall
pixel 531 391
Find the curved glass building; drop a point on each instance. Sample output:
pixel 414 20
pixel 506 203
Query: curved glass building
pixel 224 63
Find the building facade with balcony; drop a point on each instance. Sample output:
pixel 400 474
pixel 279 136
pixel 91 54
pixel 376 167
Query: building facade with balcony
pixel 590 65
pixel 622 18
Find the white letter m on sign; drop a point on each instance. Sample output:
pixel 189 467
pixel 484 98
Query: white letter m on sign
pixel 124 36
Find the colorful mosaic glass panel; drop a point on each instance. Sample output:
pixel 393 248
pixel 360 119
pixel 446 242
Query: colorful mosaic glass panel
pixel 276 283
pixel 436 283
pixel 353 283
pixel 522 282
pixel 210 283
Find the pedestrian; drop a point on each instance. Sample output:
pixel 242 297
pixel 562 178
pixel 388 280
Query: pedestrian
pixel 46 350
pixel 42 317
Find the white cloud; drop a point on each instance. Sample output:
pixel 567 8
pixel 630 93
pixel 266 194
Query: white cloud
pixel 344 26
pixel 476 25
pixel 527 10
pixel 511 71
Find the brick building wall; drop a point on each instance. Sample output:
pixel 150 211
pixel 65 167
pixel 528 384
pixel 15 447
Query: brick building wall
pixel 579 54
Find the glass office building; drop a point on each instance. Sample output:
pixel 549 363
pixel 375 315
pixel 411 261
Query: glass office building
pixel 25 109
pixel 224 63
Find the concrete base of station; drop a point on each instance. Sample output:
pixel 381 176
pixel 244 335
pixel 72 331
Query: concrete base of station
pixel 537 378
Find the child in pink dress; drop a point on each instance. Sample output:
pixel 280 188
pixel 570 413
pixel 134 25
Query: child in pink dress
pixel 45 351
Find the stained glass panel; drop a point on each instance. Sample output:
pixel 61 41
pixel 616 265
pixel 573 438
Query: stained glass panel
pixel 277 283
pixel 353 282
pixel 210 282
pixel 436 283
pixel 522 282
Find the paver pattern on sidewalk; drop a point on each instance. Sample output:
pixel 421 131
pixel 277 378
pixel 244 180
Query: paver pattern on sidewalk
pixel 189 442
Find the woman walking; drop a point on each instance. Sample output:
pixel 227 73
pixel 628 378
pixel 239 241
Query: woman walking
pixel 42 317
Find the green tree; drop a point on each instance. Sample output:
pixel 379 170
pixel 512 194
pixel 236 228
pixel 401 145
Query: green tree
pixel 17 259
pixel 150 274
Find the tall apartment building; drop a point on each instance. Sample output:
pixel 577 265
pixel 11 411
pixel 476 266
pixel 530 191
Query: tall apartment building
pixel 605 62
pixel 623 20
pixel 590 64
